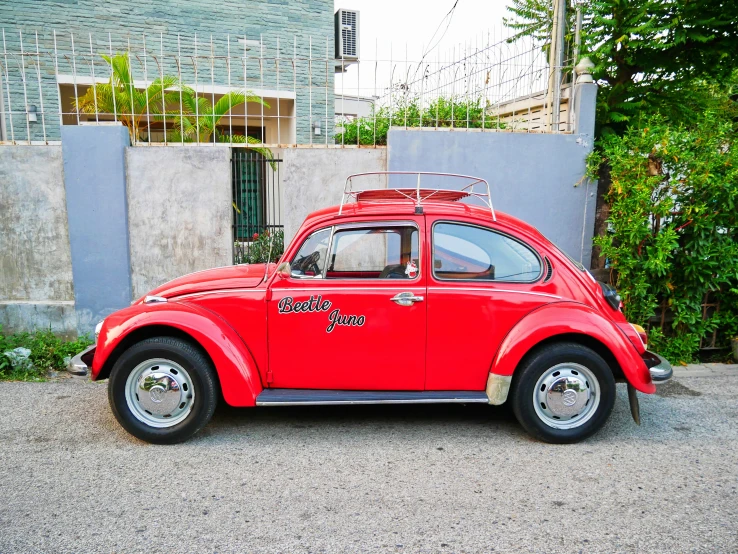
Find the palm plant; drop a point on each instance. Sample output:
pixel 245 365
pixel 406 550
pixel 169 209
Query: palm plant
pixel 134 108
pixel 202 120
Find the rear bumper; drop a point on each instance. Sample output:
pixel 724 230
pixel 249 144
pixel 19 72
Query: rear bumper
pixel 81 364
pixel 659 368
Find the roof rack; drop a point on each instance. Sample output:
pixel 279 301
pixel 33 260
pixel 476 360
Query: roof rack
pixel 417 195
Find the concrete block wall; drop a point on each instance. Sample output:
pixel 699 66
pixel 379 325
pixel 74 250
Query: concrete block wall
pixel 179 212
pixel 90 21
pixel 36 286
pixel 87 227
pixel 314 178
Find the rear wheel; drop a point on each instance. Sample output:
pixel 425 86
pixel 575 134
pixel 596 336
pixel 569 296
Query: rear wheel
pixel 563 393
pixel 163 390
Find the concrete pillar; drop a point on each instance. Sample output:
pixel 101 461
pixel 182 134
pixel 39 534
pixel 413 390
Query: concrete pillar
pixel 95 182
pixel 585 105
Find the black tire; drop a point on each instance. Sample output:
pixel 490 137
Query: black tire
pixel 201 375
pixel 536 365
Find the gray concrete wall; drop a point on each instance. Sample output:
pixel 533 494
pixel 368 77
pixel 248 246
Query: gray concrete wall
pixel 36 288
pixel 180 214
pixel 313 178
pixel 536 177
pixel 94 177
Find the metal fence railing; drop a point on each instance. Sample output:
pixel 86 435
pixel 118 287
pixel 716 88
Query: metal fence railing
pixel 261 90
pixel 258 233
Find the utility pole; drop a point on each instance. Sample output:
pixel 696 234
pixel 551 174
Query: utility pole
pixel 555 63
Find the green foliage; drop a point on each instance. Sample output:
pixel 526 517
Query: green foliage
pixel 673 226
pixel 186 116
pixel 649 55
pixel 442 112
pixel 135 108
pixel 47 354
pixel 265 247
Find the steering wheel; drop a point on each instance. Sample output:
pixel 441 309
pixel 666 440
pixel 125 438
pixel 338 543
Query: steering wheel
pixel 393 272
pixel 309 263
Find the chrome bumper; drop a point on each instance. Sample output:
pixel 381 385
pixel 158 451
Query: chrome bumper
pixel 658 366
pixel 82 362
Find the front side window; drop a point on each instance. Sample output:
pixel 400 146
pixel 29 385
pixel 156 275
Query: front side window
pixel 467 252
pixel 310 260
pixel 375 253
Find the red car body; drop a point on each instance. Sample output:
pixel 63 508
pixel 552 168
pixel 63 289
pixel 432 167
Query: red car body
pixel 264 330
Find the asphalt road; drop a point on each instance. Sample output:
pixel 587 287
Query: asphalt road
pixel 356 479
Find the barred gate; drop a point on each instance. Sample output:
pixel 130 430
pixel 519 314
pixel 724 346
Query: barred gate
pixel 258 233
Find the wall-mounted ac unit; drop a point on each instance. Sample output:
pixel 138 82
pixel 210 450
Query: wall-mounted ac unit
pixel 347 34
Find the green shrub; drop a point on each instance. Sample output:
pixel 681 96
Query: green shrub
pixel 265 247
pixel 441 112
pixel 673 238
pixel 47 354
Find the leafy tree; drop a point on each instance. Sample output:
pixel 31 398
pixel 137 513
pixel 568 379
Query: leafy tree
pixel 674 227
pixel 647 53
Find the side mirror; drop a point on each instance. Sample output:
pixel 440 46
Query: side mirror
pixel 284 270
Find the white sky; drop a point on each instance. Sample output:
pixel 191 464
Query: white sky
pixel 400 28
pixel 413 22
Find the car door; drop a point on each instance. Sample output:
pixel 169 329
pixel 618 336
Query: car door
pixel 480 285
pixel 352 313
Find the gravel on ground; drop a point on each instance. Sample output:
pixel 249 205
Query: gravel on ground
pixel 446 478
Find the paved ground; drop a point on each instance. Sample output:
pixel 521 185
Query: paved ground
pixel 405 479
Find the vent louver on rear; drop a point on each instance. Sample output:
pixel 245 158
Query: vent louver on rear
pixel 549 270
pixel 347 34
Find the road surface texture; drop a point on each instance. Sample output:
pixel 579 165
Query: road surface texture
pixel 363 479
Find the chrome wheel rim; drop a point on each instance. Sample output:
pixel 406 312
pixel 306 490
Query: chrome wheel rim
pixel 159 393
pixel 566 396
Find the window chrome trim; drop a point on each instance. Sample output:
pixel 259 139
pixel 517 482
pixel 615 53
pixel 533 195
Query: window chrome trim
pixel 490 229
pixel 367 225
pixel 330 229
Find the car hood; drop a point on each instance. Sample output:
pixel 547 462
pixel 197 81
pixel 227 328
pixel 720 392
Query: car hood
pixel 244 276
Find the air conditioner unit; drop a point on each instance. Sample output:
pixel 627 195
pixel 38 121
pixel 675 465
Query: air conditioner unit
pixel 347 34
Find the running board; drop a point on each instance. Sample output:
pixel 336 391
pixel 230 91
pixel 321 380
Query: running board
pixel 306 397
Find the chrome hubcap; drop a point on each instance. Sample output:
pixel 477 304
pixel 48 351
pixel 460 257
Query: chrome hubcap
pixel 159 393
pixel 566 396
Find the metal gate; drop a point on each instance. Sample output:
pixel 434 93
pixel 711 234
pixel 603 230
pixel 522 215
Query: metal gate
pixel 258 233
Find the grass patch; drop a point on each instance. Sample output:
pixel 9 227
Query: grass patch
pixel 47 354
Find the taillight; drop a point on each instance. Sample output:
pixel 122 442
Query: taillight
pixel 611 295
pixel 641 334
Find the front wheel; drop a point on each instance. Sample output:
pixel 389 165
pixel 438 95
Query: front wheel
pixel 563 393
pixel 163 390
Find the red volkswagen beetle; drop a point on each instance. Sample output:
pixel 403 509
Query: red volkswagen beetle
pixel 398 295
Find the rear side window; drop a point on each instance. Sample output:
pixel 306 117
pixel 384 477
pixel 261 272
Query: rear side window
pixel 374 253
pixel 463 252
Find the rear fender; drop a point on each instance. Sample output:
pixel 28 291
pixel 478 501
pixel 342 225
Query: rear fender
pixel 236 368
pixel 567 318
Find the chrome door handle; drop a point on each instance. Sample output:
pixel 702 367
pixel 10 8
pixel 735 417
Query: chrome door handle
pixel 406 298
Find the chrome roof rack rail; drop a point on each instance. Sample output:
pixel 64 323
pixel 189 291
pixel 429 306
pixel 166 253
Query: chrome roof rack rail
pixel 417 194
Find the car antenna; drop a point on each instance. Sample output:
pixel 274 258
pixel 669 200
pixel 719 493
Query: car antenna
pixel 269 257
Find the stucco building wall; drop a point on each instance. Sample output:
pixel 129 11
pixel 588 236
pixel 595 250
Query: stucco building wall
pixel 179 212
pixel 285 29
pixel 36 287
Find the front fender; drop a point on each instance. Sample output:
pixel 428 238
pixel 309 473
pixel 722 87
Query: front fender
pixel 561 318
pixel 236 368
